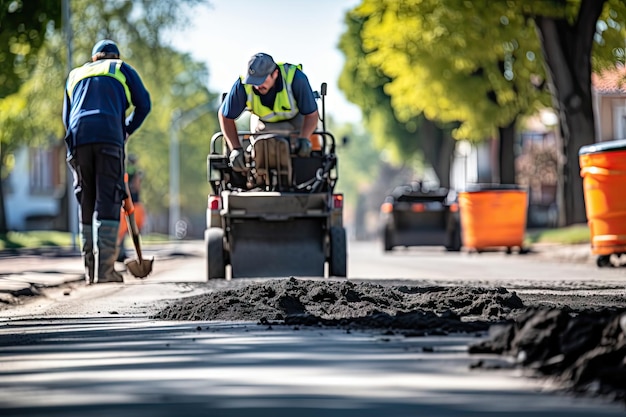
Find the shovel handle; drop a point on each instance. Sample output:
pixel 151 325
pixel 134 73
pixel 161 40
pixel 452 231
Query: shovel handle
pixel 129 209
pixel 128 205
pixel 134 233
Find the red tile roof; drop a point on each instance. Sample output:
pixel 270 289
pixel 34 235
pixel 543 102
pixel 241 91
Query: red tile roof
pixel 610 81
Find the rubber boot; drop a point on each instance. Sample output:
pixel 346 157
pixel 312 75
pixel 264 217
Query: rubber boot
pixel 121 252
pixel 106 251
pixel 86 243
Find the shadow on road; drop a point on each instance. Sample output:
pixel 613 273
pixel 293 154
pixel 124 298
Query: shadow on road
pixel 138 367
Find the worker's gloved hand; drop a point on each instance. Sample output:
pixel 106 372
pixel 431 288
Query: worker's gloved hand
pixel 237 160
pixel 303 147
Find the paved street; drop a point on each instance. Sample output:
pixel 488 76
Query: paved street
pixel 135 367
pixel 23 273
pixel 79 350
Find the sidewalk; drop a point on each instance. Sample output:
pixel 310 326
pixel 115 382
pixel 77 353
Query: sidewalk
pixel 25 272
pixel 578 253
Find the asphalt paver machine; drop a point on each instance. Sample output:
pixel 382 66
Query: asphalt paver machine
pixel 280 216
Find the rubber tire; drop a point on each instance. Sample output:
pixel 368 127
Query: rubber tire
pixel 338 263
pixel 455 244
pixel 216 266
pixel 603 260
pixel 387 245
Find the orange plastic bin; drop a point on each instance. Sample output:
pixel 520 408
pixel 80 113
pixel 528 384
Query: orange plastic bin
pixel 603 169
pixel 493 216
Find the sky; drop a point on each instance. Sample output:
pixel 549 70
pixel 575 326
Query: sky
pixel 305 32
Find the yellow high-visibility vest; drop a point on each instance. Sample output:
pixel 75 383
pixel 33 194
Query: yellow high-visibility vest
pixel 103 67
pixel 285 106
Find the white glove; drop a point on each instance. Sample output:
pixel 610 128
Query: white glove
pixel 237 160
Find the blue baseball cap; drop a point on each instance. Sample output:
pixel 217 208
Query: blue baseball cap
pixel 259 67
pixel 106 46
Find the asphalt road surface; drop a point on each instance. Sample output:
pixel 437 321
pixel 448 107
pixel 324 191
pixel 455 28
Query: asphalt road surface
pixel 77 350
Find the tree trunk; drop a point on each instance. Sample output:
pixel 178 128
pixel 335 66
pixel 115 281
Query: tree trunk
pixel 567 53
pixel 3 218
pixel 507 154
pixel 438 148
pixel 4 228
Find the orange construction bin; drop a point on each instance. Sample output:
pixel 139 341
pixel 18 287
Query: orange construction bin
pixel 603 168
pixel 493 216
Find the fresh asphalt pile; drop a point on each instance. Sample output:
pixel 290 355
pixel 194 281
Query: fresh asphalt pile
pixel 577 342
pixel 585 351
pixel 347 303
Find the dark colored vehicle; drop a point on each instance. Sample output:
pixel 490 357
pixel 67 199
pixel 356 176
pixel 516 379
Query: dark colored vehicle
pixel 414 216
pixel 280 216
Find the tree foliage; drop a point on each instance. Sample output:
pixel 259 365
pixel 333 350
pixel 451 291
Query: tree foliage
pixel 466 63
pixel 400 141
pixel 453 61
pixel 358 161
pixel 482 65
pixel 174 80
pixel 575 37
pixel 23 26
pixel 364 85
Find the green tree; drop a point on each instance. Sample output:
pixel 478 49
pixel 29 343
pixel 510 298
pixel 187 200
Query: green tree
pixel 454 63
pixel 479 64
pixel 403 139
pixel 576 37
pixel 23 26
pixel 174 80
pixel 358 161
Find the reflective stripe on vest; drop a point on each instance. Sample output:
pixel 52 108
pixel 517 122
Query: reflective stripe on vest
pixel 103 67
pixel 285 106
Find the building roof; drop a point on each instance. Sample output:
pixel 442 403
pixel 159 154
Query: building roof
pixel 610 81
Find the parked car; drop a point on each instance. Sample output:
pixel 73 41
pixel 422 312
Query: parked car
pixel 413 215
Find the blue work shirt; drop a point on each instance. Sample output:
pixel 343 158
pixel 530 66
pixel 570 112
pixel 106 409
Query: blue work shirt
pixel 96 111
pixel 235 101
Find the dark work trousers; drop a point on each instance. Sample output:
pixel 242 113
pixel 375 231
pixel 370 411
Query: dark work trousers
pixel 98 181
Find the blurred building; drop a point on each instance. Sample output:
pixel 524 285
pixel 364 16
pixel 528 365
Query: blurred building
pixel 609 95
pixel 35 192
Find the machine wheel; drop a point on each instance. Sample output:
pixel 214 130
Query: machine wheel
pixel 216 266
pixel 387 245
pixel 338 265
pixel 603 260
pixel 454 244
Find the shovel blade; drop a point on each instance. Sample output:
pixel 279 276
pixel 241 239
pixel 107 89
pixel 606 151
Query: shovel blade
pixel 139 269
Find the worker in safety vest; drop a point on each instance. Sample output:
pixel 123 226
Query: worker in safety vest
pixel 280 95
pixel 98 97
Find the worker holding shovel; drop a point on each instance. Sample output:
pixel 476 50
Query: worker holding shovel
pixel 98 96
